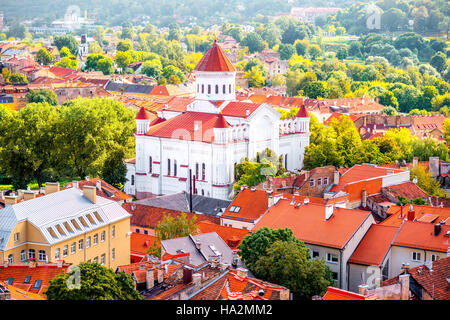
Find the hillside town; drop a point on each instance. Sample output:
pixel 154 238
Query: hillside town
pixel 283 156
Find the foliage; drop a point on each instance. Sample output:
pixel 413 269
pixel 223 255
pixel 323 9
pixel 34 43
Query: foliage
pixel 96 283
pixel 42 96
pixel 44 57
pixel 426 182
pixel 68 41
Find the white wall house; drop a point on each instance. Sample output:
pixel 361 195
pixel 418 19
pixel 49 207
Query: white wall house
pixel 210 137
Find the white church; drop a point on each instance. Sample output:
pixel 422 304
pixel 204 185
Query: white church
pixel 210 137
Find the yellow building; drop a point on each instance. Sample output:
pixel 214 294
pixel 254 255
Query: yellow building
pixel 7 101
pixel 71 225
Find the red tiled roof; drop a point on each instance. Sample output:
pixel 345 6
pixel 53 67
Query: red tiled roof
pixel 106 191
pixel 302 113
pixel 221 123
pixel 215 60
pixel 309 225
pixel 374 246
pixel 149 217
pixel 408 190
pixel 142 114
pixel 19 271
pixel 141 243
pixel 183 127
pixel 179 103
pixel 340 294
pixel 399 213
pixel 160 91
pixel 61 72
pixel 239 109
pixel 416 234
pixel 252 205
pixel 226 233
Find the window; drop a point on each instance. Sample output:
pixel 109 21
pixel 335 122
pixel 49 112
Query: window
pixel 65 251
pixel 325 181
pixel 203 172
pixel 80 245
pixel 57 254
pixel 416 256
pixel 96 260
pixel 37 284
pixel 103 259
pixel 23 257
pixel 234 209
pixel 31 254
pixel 10 258
pixel 203 192
pixel 174 168
pixel 209 89
pixel 113 253
pixel 203 88
pixel 331 257
pixel 88 242
pixel 335 276
pixel 168 167
pixel 434 257
pixel 311 182
pixel 132 179
pixel 27 280
pixel 224 90
pixel 16 237
pixel 113 231
pixel 319 181
pixel 315 254
pixel 41 255
pixel 73 248
pixel 196 170
pixel 285 160
pixel 138 231
pixel 10 281
pixel 198 87
pixel 217 89
pixel 95 239
pixel 229 88
pixel 102 236
pixel 150 164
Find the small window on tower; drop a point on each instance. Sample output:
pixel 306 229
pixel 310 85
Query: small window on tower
pixel 209 89
pixel 224 89
pixel 203 88
pixel 217 89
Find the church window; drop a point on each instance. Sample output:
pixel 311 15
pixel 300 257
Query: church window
pixel 203 88
pixel 229 88
pixel 224 89
pixel 132 179
pixel 217 89
pixel 150 164
pixel 203 171
pixel 209 89
pixel 175 168
pixel 168 167
pixel 196 170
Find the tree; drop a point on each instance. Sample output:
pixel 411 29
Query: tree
pixel 27 146
pixel 124 45
pixel 342 53
pixel 16 78
pixel 152 68
pixel 171 70
pixel 253 41
pixel 42 96
pixel 96 283
pixel 439 61
pixel 447 130
pixel 64 52
pixel 68 62
pixel 105 65
pixel 255 77
pixel 123 59
pixel 91 130
pixel 316 89
pixel 68 41
pixel 387 98
pixel 255 245
pixel 286 51
pixel 44 57
pixel 114 170
pixel 426 182
pixel 288 263
pixel 94 48
pixel 314 51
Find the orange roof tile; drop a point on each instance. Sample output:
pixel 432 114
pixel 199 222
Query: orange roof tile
pixel 374 246
pixel 106 191
pixel 416 234
pixel 398 213
pixel 340 294
pixel 215 60
pixel 239 109
pixel 141 243
pixel 309 225
pixel 226 233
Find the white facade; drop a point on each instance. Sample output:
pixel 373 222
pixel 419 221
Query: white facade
pixel 163 163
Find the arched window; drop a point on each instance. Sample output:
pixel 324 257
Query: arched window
pixel 217 89
pixel 224 89
pixel 168 167
pixel 175 168
pixel 285 161
pixel 10 258
pixel 132 179
pixel 196 170
pixel 203 171
pixel 209 89
pixel 150 164
pixel 203 88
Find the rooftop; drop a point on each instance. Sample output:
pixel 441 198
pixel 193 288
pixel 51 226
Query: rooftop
pixel 215 60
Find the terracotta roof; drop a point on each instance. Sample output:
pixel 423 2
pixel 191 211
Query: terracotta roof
pixel 308 222
pixel 221 122
pixel 302 113
pixel 374 246
pixel 179 103
pixel 228 234
pixel 183 127
pixel 239 109
pixel 416 234
pixel 107 191
pixel 61 72
pixel 149 217
pixel 252 205
pixel 340 294
pixel 398 213
pixel 408 190
pixel 215 60
pixel 42 271
pixel 18 293
pixel 141 243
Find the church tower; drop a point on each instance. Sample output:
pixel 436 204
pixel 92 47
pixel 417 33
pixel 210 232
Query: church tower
pixel 215 76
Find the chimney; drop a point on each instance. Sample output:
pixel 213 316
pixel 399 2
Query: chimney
pixel 150 279
pixel 28 195
pixel 437 229
pixel 75 184
pixel 364 198
pixel 253 189
pixel 242 272
pixel 328 211
pixel 197 279
pixel 404 283
pixel 405 267
pixel 90 192
pixel 269 202
pixel 336 177
pixel 411 213
pixel 243 187
pixel 198 245
pixel 99 184
pixel 415 162
pixel 187 276
pixel 363 289
pixel 10 200
pixel 160 275
pixel 51 187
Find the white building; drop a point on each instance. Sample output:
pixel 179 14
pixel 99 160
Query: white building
pixel 214 133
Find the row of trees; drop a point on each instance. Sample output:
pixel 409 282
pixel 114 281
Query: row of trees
pixel 43 142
